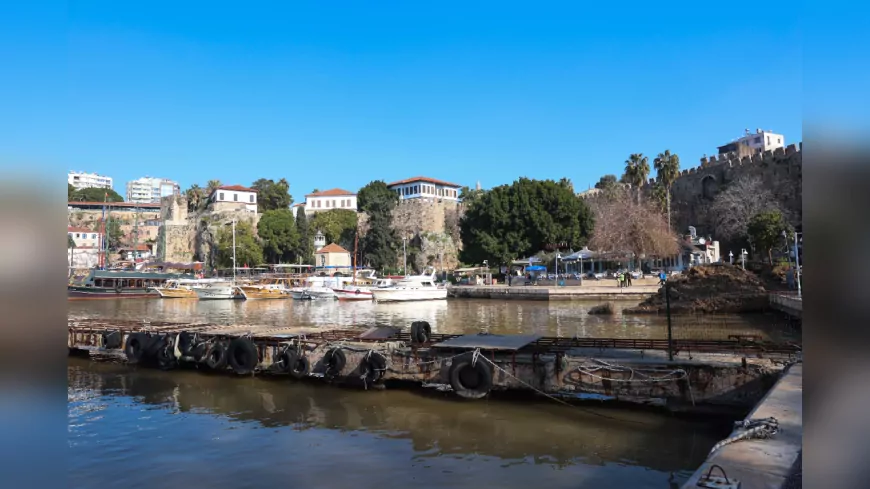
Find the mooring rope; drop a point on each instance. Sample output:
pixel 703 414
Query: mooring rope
pixel 759 429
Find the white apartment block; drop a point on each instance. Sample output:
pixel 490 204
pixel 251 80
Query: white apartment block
pixel 425 188
pixel 81 180
pixel 233 197
pixel 330 199
pixel 84 238
pixel 756 143
pixel 148 190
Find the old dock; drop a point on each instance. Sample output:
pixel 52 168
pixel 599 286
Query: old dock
pixel 704 374
pixel 552 292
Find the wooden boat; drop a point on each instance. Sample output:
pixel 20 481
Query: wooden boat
pixel 217 290
pixel 116 284
pixel 181 289
pixel 273 288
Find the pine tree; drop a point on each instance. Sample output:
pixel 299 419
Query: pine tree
pixel 306 245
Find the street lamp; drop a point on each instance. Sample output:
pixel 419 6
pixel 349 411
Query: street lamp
pixel 730 257
pixel 797 264
pixel 405 254
pixel 234 249
pixel 743 254
pixel 486 272
pixel 558 257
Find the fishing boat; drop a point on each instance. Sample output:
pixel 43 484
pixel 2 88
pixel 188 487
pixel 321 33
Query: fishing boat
pixel 223 289
pixel 412 288
pixel 115 284
pixel 182 288
pixel 272 288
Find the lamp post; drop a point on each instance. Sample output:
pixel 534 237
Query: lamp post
pixel 730 257
pixel 558 257
pixel 785 238
pixel 405 255
pixel 797 265
pixel 743 254
pixel 486 271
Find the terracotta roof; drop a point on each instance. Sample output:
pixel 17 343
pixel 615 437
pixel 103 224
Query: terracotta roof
pixel 139 247
pixel 301 204
pixel 237 188
pixel 433 181
pixel 331 248
pixel 73 229
pixel 334 192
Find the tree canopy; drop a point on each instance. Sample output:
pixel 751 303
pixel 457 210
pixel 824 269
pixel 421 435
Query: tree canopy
pixel 272 195
pixel 197 200
pixel 606 182
pixel 766 229
pixel 378 247
pixel 277 230
pixel 623 224
pixel 636 172
pixel 520 219
pixel 376 198
pixel 667 167
pixel 92 194
pixel 733 208
pixel 338 225
pixel 248 250
pixel 306 238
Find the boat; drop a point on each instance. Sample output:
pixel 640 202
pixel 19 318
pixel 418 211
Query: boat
pixel 411 288
pixel 353 293
pixel 217 290
pixel 116 284
pixel 183 288
pixel 318 292
pixel 271 288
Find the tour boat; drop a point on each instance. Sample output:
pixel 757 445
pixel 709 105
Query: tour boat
pixel 273 288
pixel 217 290
pixel 116 284
pixel 353 293
pixel 413 288
pixel 182 288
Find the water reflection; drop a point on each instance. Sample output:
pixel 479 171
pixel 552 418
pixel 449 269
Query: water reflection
pixel 451 316
pixel 135 418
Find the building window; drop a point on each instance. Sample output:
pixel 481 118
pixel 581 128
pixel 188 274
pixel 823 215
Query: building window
pixel 333 202
pixel 235 197
pixel 78 235
pixel 221 196
pixel 779 140
pixel 758 140
pixel 252 198
pixel 93 236
pixel 768 140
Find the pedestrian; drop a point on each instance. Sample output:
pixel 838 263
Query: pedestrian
pixel 663 277
pixel 619 279
pixel 510 277
pixel 628 279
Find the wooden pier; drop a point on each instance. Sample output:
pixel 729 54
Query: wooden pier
pixel 704 374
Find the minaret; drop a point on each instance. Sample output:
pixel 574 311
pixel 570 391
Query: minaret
pixel 477 187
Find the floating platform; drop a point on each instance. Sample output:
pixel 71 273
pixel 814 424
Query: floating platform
pixel 552 293
pixel 704 375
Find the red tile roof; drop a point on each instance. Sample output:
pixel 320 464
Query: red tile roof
pixel 237 188
pixel 299 204
pixel 139 247
pixel 331 248
pixel 334 192
pixel 73 229
pixel 433 181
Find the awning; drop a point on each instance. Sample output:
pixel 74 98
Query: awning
pixel 536 268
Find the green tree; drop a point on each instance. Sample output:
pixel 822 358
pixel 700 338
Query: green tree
pixel 667 167
pixel 765 230
pixel 211 186
pixel 378 246
pixel 636 172
pixel 522 218
pixel 306 238
pixel 114 235
pixel 606 182
pixel 96 194
pixel 248 250
pixel 277 231
pixel 70 192
pixel 196 198
pixel 338 225
pixel 272 195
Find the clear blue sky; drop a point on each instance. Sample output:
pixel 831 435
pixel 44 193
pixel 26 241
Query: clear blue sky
pixel 335 94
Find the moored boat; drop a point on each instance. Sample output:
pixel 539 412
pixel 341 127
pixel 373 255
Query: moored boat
pixel 353 293
pixel 217 290
pixel 181 288
pixel 413 288
pixel 274 288
pixel 114 284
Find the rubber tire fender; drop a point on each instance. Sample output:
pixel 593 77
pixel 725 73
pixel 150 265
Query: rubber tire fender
pixel 112 340
pixel 199 351
pixel 334 360
pixel 299 367
pixel 166 356
pixel 285 360
pixel 243 356
pixel 186 343
pixel 373 366
pixel 134 347
pixel 216 358
pixel 421 332
pixel 118 288
pixel 460 378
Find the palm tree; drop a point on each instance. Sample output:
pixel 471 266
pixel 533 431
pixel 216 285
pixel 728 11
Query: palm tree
pixel 212 186
pixel 668 168
pixel 194 197
pixel 636 171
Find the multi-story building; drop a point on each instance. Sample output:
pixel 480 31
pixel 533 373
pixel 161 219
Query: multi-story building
pixel 325 200
pixel 425 188
pixel 84 237
pixel 81 180
pixel 756 143
pixel 149 189
pixel 233 197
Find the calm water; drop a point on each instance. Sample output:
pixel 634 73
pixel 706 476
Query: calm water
pixel 143 428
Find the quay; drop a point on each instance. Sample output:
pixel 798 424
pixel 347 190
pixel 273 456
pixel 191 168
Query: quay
pixel 704 376
pixel 765 449
pixel 593 291
pixel 788 303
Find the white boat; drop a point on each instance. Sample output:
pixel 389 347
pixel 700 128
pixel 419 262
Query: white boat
pixel 413 288
pixel 353 293
pixel 216 290
pixel 318 292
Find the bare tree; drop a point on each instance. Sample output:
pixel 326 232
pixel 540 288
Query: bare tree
pixel 626 225
pixel 734 207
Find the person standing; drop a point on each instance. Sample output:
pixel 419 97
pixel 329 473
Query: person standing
pixel 663 277
pixel 627 278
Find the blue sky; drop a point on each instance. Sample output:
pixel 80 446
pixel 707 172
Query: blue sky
pixel 336 94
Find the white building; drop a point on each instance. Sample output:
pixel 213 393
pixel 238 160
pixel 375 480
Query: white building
pixel 425 187
pixel 81 180
pixel 750 143
pixel 330 199
pixel 85 238
pixel 233 197
pixel 148 189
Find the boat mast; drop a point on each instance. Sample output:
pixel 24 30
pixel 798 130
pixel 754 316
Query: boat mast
pixel 355 244
pixel 104 245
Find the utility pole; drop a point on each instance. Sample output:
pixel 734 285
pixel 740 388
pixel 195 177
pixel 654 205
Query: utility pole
pixel 797 265
pixel 405 255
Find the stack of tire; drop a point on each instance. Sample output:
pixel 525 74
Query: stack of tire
pixel 149 349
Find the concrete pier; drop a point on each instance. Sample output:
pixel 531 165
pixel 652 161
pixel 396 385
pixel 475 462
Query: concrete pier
pixel 771 463
pixel 552 293
pixel 789 303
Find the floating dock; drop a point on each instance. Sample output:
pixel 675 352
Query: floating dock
pixel 552 293
pixel 704 374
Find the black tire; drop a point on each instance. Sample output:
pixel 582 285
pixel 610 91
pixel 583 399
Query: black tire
pixel 334 360
pixel 470 382
pixel 300 367
pixel 166 357
pixel 285 360
pixel 112 340
pixel 243 356
pixel 216 358
pixel 421 332
pixel 186 343
pixel 373 366
pixel 118 288
pixel 135 347
pixel 200 351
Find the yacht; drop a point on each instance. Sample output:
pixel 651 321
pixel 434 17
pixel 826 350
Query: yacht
pixel 412 288
pixel 217 290
pixel 359 289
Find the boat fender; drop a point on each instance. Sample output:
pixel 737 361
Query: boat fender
pixel 166 355
pixel 186 343
pixel 300 366
pixel 470 379
pixel 199 351
pixel 243 356
pixel 134 347
pixel 334 360
pixel 112 340
pixel 216 358
pixel 118 288
pixel 373 366
pixel 421 332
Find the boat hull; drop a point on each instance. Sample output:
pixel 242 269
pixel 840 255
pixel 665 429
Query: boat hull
pixel 353 295
pixel 179 293
pixel 408 295
pixel 259 293
pixel 76 292
pixel 216 293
